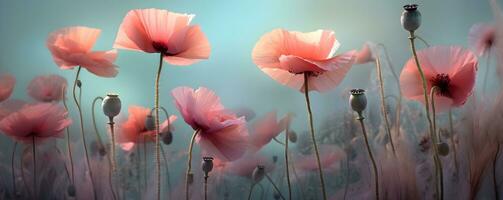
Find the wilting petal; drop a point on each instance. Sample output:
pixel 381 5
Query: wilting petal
pixel 7 83
pixel 47 88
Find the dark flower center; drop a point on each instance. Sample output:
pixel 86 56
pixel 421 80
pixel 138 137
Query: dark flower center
pixel 442 82
pixel 160 47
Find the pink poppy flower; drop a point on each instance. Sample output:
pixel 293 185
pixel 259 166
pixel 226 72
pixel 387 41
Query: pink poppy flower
pixel 71 47
pixel 133 130
pixel 286 55
pixel 451 69
pixel 161 31
pixel 47 88
pixel 40 120
pixel 221 133
pixel 329 155
pixel 366 54
pixel 9 106
pixel 266 128
pixel 481 38
pixel 7 83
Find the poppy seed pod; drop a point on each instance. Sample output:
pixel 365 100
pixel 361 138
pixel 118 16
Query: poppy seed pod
pixel 207 165
pixel 71 190
pixel 358 100
pixel 411 17
pixel 292 136
pixel 150 123
pixel 258 173
pixel 111 105
pixel 78 83
pixel 443 148
pixel 167 137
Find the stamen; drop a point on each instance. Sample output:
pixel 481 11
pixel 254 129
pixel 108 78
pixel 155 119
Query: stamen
pixel 442 82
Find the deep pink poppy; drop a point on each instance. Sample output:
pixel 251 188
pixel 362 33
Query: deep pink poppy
pixel 71 47
pixel 221 133
pixel 47 88
pixel 40 120
pixel 266 128
pixel 7 83
pixel 160 31
pixel 287 55
pixel 481 38
pixel 133 130
pixel 452 69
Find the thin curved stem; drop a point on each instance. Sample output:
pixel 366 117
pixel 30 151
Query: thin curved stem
pixel 374 165
pixel 68 144
pixel 98 137
pixel 287 132
pixel 310 116
pixel 82 131
pixel 34 167
pixel 451 126
pixel 251 191
pixel 383 106
pixel 426 102
pixel 157 137
pixel 12 168
pixel 111 160
pixel 423 40
pixel 66 168
pixel 275 187
pixel 297 178
pixel 189 164
pixel 495 162
pixel 279 142
pixel 167 169
pixel 436 141
pixel 399 99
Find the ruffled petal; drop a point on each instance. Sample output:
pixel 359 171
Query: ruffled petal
pixel 188 46
pixel 7 83
pixel 229 143
pixel 47 88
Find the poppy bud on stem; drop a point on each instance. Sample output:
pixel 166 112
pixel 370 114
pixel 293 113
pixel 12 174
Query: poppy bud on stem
pixel 188 175
pixel 207 166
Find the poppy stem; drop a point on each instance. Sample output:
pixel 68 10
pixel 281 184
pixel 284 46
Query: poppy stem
pixel 374 165
pixel 188 174
pixel 277 141
pixel 157 137
pixel 112 156
pixel 347 178
pixel 451 126
pixel 22 175
pixel 287 132
pixel 77 102
pixel 205 187
pixel 310 116
pixel 12 169
pixel 251 190
pixel 34 167
pixel 383 106
pixel 423 40
pixel 138 167
pixel 98 137
pixel 68 144
pixel 399 99
pixel 495 162
pixel 275 187
pixel 427 108
pixel 145 165
pixel 167 169
pixel 436 139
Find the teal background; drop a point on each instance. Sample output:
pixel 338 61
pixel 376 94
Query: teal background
pixel 233 28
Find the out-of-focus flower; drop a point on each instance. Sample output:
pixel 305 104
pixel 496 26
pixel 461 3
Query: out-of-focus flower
pixel 47 88
pixel 7 83
pixel 481 38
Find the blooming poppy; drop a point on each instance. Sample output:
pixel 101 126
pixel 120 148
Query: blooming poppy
pixel 71 47
pixel 481 38
pixel 160 31
pixel 267 128
pixel 451 69
pixel 287 55
pixel 7 83
pixel 47 88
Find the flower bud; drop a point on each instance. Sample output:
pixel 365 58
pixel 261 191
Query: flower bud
pixel 411 17
pixel 150 123
pixel 358 100
pixel 111 105
pixel 167 137
pixel 275 158
pixel 207 165
pixel 79 83
pixel 258 173
pixel 292 136
pixel 443 148
pixel 71 190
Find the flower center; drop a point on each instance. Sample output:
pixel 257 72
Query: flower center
pixel 160 47
pixel 442 82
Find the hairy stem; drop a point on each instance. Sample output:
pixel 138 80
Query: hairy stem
pixel 399 99
pixel 189 164
pixel 313 138
pixel 383 106
pixel 157 137
pixel 374 165
pixel 436 141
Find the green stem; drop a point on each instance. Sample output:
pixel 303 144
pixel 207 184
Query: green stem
pixel 423 40
pixel 112 157
pixel 436 141
pixel 374 165
pixel 275 187
pixel 287 132
pixel 399 99
pixel 426 102
pixel 383 106
pixel 167 169
pixel 34 167
pixel 98 137
pixel 189 164
pixel 68 137
pixel 82 131
pixel 157 137
pixel 310 116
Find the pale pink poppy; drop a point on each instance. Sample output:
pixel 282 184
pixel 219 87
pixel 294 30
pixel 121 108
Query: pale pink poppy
pixel 287 55
pixel 366 54
pixel 450 68
pixel 40 120
pixel 160 31
pixel 481 38
pixel 47 88
pixel 329 155
pixel 267 128
pixel 7 83
pixel 221 133
pixel 71 47
pixel 133 130
pixel 244 166
pixel 9 106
